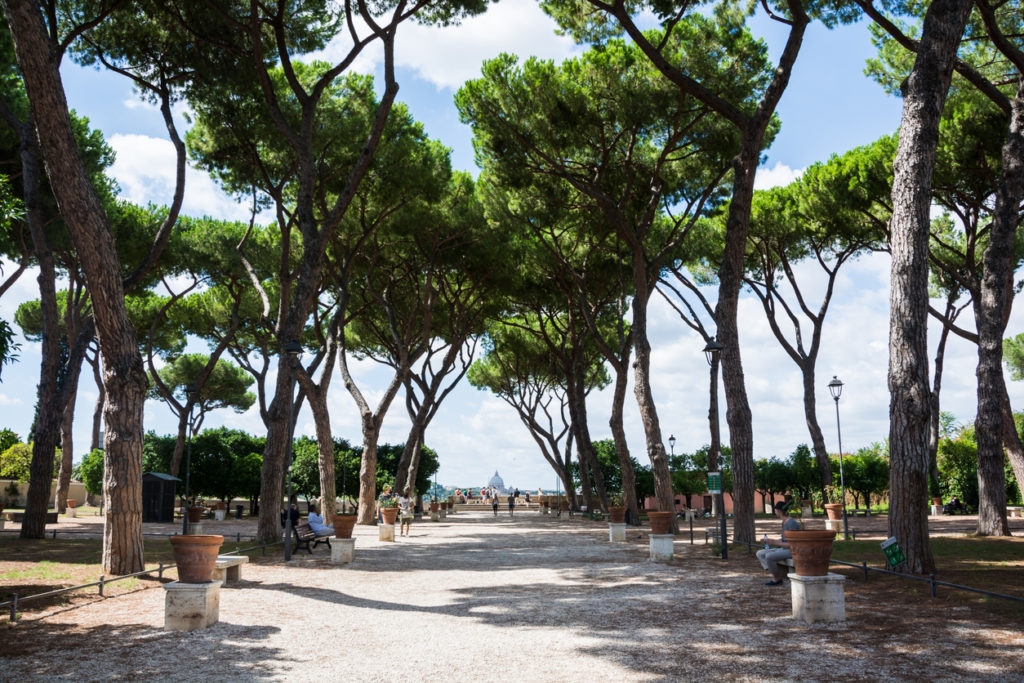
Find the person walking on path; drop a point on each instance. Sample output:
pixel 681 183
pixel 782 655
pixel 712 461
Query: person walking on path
pixel 770 557
pixel 494 504
pixel 405 512
pixel 511 505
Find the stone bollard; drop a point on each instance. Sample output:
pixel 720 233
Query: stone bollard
pixel 386 532
pixel 662 547
pixel 818 598
pixel 191 606
pixel 616 531
pixel 195 528
pixel 344 549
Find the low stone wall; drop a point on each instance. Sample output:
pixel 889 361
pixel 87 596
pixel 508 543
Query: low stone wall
pixel 76 492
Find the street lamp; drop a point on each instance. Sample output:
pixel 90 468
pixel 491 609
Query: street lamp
pixel 672 444
pixel 711 352
pixel 191 392
pixel 294 351
pixel 835 387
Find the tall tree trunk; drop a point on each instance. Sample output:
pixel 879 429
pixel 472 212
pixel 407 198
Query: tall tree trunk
pixel 910 405
pixel 1012 443
pixel 730 278
pixel 325 445
pixel 179 443
pixel 933 433
pixel 991 312
pixel 67 449
pixel 621 445
pixel 96 440
pixel 275 455
pixel 813 427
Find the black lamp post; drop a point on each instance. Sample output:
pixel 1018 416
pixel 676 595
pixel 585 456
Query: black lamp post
pixel 711 352
pixel 294 351
pixel 191 392
pixel 835 387
pixel 672 444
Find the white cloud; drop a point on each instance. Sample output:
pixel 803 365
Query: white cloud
pixel 778 175
pixel 144 169
pixel 448 56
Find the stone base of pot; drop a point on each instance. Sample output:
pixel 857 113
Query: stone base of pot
pixel 386 532
pixel 662 547
pixel 545 510
pixel 818 599
pixel 835 525
pixel 806 512
pixel 2 523
pixel 72 512
pixel 435 516
pixel 443 513
pixel 344 549
pixel 191 606
pixel 219 515
pixel 936 509
pixel 616 532
pixel 195 528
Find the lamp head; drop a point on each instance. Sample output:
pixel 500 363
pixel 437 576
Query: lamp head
pixel 672 440
pixel 835 387
pixel 293 349
pixel 191 391
pixel 711 350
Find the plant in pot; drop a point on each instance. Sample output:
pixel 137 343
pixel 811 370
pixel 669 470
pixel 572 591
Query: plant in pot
pixel 661 521
pixel 343 524
pixel 389 509
pixel 833 502
pixel 195 511
pixel 617 508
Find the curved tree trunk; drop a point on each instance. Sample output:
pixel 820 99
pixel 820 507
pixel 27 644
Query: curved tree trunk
pixel 96 440
pixel 1012 443
pixel 67 449
pixel 811 417
pixel 991 313
pixel 910 405
pixel 275 455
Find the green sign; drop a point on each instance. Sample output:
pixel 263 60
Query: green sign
pixel 893 551
pixel 714 482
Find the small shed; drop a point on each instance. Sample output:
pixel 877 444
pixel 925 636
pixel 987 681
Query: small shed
pixel 158 491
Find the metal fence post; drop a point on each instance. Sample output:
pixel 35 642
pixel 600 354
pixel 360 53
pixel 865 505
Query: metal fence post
pixel 101 585
pixel 864 564
pixel 931 583
pixel 160 571
pixel 14 606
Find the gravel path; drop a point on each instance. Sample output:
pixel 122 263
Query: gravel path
pixel 529 599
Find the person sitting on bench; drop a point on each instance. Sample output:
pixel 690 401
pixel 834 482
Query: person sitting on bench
pixel 770 557
pixel 316 523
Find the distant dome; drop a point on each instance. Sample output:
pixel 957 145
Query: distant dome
pixel 497 482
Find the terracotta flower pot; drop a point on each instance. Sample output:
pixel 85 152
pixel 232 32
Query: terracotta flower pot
pixel 434 507
pixel 661 522
pixel 564 505
pixel 834 510
pixel 616 514
pixel 195 556
pixel 195 515
pixel 812 549
pixel 71 503
pixel 343 525
pixel 220 505
pixel 936 501
pixel 390 515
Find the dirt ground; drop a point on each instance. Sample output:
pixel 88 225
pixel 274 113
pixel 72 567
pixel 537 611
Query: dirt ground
pixel 528 598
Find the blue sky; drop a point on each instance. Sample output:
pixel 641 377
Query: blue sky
pixel 829 107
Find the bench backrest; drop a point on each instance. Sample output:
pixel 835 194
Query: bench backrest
pixel 304 531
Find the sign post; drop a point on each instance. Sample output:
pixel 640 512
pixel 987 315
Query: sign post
pixel 715 489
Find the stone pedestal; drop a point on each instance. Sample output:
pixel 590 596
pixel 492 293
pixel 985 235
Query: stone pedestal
pixel 386 532
pixel 818 598
pixel 936 509
pixel 344 549
pixel 443 513
pixel 72 512
pixel 219 515
pixel 616 531
pixel 195 528
pixel 435 516
pixel 662 547
pixel 191 606
pixel 806 512
pixel 3 522
pixel 835 525
pixel 545 510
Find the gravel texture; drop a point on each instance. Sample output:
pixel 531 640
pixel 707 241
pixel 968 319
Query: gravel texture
pixel 526 599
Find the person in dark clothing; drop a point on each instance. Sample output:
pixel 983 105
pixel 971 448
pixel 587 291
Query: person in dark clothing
pixel 511 505
pixel 293 512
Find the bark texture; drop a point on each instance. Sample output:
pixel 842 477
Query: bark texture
pixel 991 312
pixel 910 400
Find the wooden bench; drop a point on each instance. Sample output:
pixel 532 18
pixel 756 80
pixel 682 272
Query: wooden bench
pixel 304 536
pixel 228 568
pixel 1015 511
pixel 861 512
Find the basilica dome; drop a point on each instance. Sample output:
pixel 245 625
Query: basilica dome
pixel 497 482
